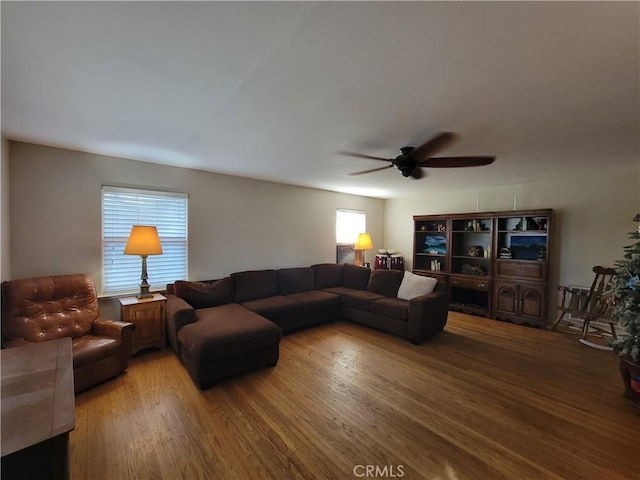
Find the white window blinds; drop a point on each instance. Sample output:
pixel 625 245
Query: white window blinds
pixel 349 223
pixel 121 209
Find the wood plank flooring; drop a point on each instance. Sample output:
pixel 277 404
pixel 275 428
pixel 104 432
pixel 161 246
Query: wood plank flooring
pixel 483 400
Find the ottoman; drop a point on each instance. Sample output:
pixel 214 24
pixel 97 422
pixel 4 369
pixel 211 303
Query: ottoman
pixel 227 340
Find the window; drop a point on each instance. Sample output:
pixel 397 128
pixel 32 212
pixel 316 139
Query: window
pixel 124 207
pixel 349 223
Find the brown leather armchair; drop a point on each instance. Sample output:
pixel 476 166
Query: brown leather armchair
pixel 45 308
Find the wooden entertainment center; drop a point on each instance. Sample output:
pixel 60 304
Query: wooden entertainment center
pixel 497 263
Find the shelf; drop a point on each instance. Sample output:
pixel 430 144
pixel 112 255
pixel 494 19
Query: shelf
pixel 470 309
pixel 525 260
pixel 471 306
pixel 469 257
pixel 422 271
pixel 474 277
pixel 432 254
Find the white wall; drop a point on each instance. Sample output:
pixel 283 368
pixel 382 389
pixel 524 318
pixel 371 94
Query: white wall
pixel 593 216
pixel 234 223
pixel 237 224
pixel 5 258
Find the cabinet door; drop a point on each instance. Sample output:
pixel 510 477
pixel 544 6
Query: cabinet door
pixel 506 299
pixel 533 301
pixel 520 303
pixel 147 320
pixel 149 325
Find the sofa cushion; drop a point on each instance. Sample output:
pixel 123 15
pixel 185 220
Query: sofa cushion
pixel 327 274
pixel 275 307
pixel 294 280
pixel 254 284
pixel 227 331
pixel 203 295
pixel 360 299
pixel 317 300
pixel 91 348
pixel 415 285
pixel 354 276
pixel 391 307
pixel 339 290
pixel 385 282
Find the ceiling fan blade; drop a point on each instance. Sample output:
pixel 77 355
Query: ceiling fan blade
pixel 372 170
pixel 360 155
pixel 432 147
pixel 417 173
pixel 455 162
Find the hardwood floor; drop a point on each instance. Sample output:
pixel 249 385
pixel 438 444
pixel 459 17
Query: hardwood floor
pixel 483 400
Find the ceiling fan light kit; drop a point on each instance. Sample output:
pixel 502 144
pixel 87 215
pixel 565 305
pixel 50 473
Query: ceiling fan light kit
pixel 412 159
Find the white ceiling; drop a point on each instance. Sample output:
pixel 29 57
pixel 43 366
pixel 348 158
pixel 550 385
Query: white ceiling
pixel 272 90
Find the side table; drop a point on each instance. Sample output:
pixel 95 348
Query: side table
pixel 148 316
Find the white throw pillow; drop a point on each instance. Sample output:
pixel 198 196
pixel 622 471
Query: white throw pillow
pixel 413 286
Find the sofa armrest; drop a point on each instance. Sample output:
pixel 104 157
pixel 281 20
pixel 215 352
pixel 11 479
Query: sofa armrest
pixel 428 313
pixel 112 328
pixel 115 329
pixel 179 314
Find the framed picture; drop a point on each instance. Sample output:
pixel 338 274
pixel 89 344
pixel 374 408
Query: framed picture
pixel 435 244
pixel 528 247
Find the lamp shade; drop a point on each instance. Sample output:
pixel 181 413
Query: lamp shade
pixel 363 242
pixel 143 240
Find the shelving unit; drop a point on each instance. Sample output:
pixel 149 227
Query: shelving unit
pixel 431 245
pixel 521 286
pixel 470 279
pixel 495 262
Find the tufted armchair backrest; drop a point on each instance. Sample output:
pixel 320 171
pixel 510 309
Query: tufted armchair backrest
pixel 45 308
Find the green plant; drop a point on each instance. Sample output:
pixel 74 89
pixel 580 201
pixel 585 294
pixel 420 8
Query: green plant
pixel 625 294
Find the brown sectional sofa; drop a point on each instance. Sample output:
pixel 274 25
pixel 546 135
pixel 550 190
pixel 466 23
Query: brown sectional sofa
pixel 228 326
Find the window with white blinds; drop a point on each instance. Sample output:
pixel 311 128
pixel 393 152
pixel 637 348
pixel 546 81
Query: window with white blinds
pixel 121 209
pixel 349 223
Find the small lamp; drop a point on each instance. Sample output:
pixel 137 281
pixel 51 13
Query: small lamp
pixel 362 243
pixel 143 241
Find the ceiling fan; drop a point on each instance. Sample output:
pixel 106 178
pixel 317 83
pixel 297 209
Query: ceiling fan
pixel 412 159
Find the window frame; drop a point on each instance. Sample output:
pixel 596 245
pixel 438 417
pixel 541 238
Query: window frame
pixel 142 218
pixel 345 252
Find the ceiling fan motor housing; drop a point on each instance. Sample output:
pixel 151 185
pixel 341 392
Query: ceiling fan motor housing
pixel 403 162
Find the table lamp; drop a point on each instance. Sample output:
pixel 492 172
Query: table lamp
pixel 362 243
pixel 143 241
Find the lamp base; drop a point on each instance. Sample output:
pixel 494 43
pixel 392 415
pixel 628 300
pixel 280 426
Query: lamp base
pixel 360 260
pixel 144 285
pixel 144 293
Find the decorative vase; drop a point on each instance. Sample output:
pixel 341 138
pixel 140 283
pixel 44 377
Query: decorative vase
pixel 630 372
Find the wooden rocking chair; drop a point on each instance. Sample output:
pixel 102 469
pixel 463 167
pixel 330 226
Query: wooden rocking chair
pixel 589 306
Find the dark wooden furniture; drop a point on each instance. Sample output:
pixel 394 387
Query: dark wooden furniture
pixel 590 305
pixel 496 263
pixel 148 316
pixel 38 410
